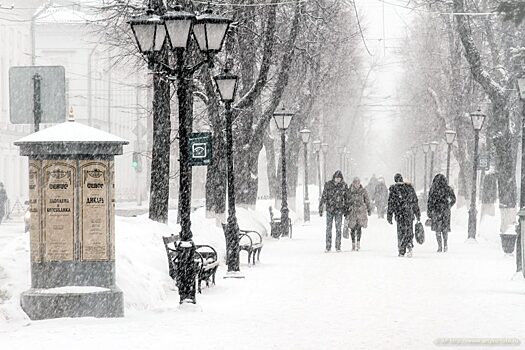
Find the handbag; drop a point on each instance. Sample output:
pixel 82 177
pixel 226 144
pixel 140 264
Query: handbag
pixel 420 233
pixel 428 222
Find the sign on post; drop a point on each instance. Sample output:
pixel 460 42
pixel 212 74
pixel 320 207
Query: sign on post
pixel 200 148
pixel 484 162
pixel 37 94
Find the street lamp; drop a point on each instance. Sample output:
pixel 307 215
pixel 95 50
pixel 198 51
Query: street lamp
pixel 426 149
pixel 478 119
pixel 414 155
pixel 157 37
pixel 282 120
pixel 340 151
pixel 317 150
pixel 433 149
pixel 450 136
pixel 305 136
pixel 348 166
pixel 324 148
pixel 227 86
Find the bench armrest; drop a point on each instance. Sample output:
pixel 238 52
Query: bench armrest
pixel 246 232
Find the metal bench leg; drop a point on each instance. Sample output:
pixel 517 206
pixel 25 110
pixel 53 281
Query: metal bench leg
pixel 249 256
pixel 259 254
pixel 254 253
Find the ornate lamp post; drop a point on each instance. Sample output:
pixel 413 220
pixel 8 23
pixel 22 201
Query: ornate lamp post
pixel 324 148
pixel 282 120
pixel 450 137
pixel 478 119
pixel 340 151
pixel 433 149
pixel 227 86
pixel 414 157
pixel 426 149
pixel 158 37
pixel 317 150
pixel 305 136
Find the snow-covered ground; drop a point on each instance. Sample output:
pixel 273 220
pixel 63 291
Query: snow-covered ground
pixel 298 297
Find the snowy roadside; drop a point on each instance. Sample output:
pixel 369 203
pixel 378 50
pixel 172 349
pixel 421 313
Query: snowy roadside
pixel 141 263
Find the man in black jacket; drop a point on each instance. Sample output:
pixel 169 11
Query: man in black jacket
pixel 334 198
pixel 402 203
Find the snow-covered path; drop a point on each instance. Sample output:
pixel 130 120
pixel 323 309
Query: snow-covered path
pixel 298 297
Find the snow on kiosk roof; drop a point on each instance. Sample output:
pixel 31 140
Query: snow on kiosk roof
pixel 70 138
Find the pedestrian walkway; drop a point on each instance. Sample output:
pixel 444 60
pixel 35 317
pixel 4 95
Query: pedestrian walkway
pixel 299 297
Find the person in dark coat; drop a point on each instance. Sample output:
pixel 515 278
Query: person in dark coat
pixel 359 208
pixel 403 205
pixel 334 199
pixel 3 201
pixel 381 197
pixel 440 199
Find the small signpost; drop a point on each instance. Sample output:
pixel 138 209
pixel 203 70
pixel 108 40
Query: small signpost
pixel 37 94
pixel 484 162
pixel 200 148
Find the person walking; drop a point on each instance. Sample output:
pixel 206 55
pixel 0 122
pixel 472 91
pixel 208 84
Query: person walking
pixel 381 197
pixel 403 205
pixel 3 201
pixel 440 199
pixel 334 199
pixel 359 208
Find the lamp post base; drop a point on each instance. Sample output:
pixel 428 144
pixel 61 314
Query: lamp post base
pixel 306 212
pixel 472 222
pixel 186 272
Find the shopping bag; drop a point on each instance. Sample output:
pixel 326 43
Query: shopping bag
pixel 428 222
pixel 420 233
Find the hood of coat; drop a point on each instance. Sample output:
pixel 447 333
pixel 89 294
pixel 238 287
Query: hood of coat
pixel 339 174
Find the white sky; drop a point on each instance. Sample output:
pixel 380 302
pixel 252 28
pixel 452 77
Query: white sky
pixel 385 24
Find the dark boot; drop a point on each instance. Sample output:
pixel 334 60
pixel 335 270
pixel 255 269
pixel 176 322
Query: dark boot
pixel 445 239
pixel 438 237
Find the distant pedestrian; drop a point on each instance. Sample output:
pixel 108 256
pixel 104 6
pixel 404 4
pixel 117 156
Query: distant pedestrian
pixel 402 204
pixel 334 199
pixel 440 199
pixel 370 189
pixel 359 208
pixel 3 201
pixel 381 197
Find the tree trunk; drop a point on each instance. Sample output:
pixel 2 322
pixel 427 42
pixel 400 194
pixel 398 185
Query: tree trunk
pixel 270 164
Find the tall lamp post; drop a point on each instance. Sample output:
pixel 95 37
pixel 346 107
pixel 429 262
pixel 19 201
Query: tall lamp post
pixel 433 149
pixel 340 151
pixel 478 119
pixel 317 150
pixel 324 148
pixel 227 86
pixel 426 149
pixel 305 136
pixel 282 120
pixel 414 155
pixel 348 164
pixel 159 36
pixel 450 137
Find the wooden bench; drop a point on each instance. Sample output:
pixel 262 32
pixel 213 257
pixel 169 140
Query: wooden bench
pixel 206 261
pixel 275 224
pixel 250 241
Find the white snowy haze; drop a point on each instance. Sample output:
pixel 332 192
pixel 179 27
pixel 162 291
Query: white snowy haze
pixel 385 26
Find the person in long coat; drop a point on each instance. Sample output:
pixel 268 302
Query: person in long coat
pixel 440 199
pixel 3 201
pixel 334 199
pixel 381 198
pixel 403 205
pixel 359 208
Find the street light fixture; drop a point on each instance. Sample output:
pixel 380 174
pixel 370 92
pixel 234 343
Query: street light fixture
pixel 478 119
pixel 450 137
pixel 151 31
pixel 305 136
pixel 282 120
pixel 227 86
